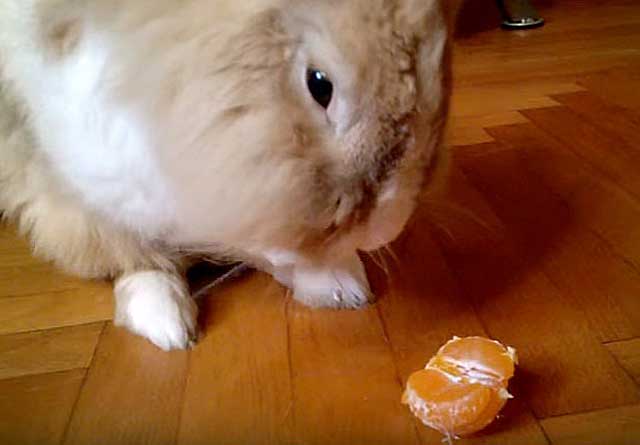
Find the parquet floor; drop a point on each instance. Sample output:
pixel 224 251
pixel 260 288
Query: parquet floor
pixel 536 241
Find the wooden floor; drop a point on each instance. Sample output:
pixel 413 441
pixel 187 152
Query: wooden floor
pixel 536 242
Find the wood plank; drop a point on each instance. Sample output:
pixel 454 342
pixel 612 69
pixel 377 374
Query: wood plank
pixel 616 85
pixel 34 410
pixel 460 217
pixel 420 304
pixel 346 388
pixel 627 353
pixel 487 69
pixel 570 15
pixel 612 119
pixel 29 279
pixel 10 257
pixel 466 135
pixel 595 201
pixel 489 119
pixel 48 351
pixel 422 307
pixel 89 304
pixel 544 256
pixel 15 250
pixel 617 426
pixel 239 389
pixel 467 130
pixel 507 96
pixel 132 394
pixel 607 296
pixel 8 234
pixel 498 104
pixel 606 153
pixel 610 285
pixel 532 46
pixel 526 56
pixel 520 305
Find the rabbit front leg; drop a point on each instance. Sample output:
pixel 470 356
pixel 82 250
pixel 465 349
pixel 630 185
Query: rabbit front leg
pixel 338 284
pixel 157 306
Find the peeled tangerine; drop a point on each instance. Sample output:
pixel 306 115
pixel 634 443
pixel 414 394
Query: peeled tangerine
pixel 463 387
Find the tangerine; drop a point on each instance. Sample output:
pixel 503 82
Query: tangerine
pixel 463 387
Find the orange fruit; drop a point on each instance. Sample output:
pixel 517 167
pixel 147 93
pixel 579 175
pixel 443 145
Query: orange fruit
pixel 463 387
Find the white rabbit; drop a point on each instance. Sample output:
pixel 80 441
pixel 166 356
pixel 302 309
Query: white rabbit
pixel 285 133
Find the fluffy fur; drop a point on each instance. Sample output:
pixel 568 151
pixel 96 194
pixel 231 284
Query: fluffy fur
pixel 135 133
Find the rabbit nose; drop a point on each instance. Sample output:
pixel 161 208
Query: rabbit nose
pixel 358 199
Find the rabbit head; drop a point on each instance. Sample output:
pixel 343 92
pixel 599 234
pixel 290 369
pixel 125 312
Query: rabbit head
pixel 305 126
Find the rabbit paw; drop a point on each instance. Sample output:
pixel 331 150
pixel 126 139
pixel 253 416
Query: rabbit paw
pixel 340 285
pixel 157 306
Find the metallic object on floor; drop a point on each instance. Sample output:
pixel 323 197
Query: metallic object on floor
pixel 519 14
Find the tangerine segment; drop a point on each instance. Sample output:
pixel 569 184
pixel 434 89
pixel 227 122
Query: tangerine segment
pixel 477 357
pixel 451 406
pixel 463 388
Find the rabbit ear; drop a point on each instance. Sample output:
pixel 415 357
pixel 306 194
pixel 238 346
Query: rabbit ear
pixel 418 17
pixel 451 9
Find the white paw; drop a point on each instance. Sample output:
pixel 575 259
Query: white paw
pixel 157 306
pixel 340 285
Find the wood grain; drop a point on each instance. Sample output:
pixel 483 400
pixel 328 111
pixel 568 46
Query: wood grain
pixel 618 86
pixel 535 240
pixel 617 426
pixel 15 250
pixel 526 56
pixel 608 296
pixel 619 162
pixel 35 410
pixel 498 98
pixel 467 130
pixel 91 303
pixel 517 301
pixel 34 279
pixel 594 200
pixel 344 376
pixel 48 351
pixel 422 311
pixel 132 394
pixel 239 389
pixel 613 119
pixel 627 353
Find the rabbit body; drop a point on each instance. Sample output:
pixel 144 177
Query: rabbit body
pixel 137 134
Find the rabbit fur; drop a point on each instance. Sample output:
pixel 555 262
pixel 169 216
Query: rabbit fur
pixel 137 134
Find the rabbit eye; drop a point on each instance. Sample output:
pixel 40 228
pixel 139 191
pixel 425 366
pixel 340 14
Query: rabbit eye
pixel 320 87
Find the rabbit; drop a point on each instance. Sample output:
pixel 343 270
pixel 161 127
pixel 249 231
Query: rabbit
pixel 287 134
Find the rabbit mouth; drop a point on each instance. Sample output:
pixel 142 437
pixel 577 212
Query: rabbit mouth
pixel 355 205
pixel 370 205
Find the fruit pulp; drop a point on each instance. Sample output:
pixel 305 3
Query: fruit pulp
pixel 463 387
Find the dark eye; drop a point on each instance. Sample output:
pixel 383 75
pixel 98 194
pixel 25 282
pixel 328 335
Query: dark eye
pixel 320 87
